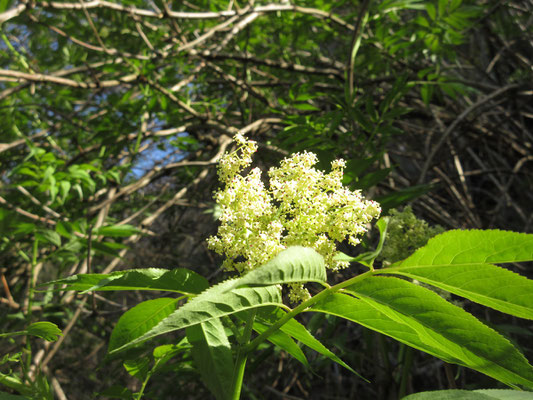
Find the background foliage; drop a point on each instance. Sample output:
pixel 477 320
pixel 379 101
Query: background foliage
pixel 114 113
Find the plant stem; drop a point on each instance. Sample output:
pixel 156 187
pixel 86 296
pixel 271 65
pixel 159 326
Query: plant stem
pixel 406 370
pixel 145 382
pixel 242 356
pixel 302 307
pixel 35 251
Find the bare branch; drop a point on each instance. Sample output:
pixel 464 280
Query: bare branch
pixel 36 77
pixel 270 8
pixel 14 12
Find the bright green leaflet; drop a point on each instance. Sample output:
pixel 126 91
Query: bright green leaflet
pixel 139 320
pixel 460 262
pixel 300 333
pixel 211 351
pixel 490 394
pixel 283 341
pixel 296 264
pixel 178 280
pixel 214 303
pixel 444 326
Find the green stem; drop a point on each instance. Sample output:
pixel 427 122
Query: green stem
pixel 406 371
pixel 9 334
pixel 20 58
pixel 145 382
pixel 302 307
pixel 242 356
pixel 30 306
pixel 356 43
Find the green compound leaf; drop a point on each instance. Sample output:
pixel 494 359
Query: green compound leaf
pixel 211 351
pixel 460 262
pixel 178 280
pixel 442 328
pixel 139 320
pixel 295 264
pixel 45 330
pixel 215 302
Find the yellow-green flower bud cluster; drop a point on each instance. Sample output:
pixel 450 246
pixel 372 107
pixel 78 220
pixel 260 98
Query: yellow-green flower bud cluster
pixel 301 206
pixel 405 234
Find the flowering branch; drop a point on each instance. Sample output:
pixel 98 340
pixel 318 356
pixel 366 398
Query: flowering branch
pixel 301 206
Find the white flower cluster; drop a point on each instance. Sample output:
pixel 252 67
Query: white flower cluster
pixel 302 206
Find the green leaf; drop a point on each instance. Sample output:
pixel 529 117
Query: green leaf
pixel 401 4
pixel 490 394
pixel 64 188
pixel 108 248
pixel 137 368
pixel 283 341
pixel 372 179
pixel 358 311
pixel 49 237
pixel 442 7
pixel 14 382
pixel 304 107
pixel 394 94
pixel 211 351
pixel 426 92
pixel 215 302
pixel 295 264
pixel 356 166
pixel 168 350
pixel 4 5
pixel 459 262
pixel 402 196
pixel 300 333
pixel 139 320
pixel 447 328
pixel 64 229
pixel 7 396
pixel 116 392
pixel 116 230
pixel 506 394
pixel 179 280
pixel 448 395
pixel 45 330
pixel 164 353
pixel 432 12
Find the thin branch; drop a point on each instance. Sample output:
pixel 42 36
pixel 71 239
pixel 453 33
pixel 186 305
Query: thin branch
pixel 270 8
pixel 241 84
pixel 245 57
pixel 173 97
pixel 25 213
pixel 148 178
pixel 67 82
pixel 14 12
pixel 37 202
pixel 457 121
